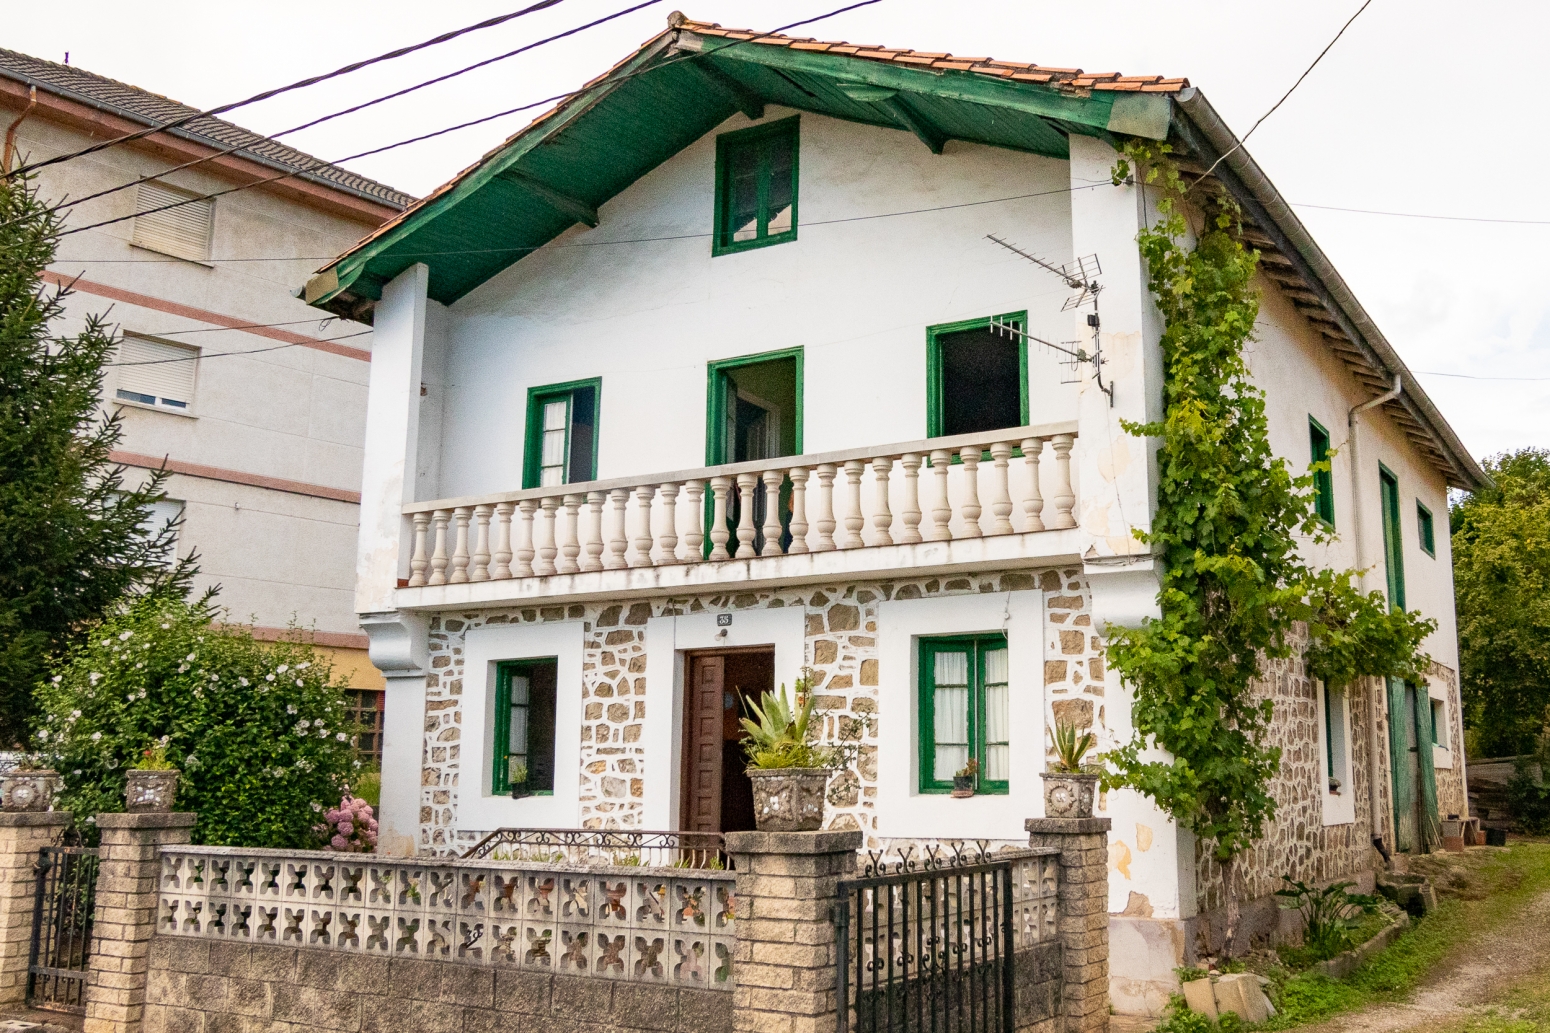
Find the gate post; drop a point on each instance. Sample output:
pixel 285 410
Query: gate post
pixel 22 835
pixel 129 876
pixel 1084 916
pixel 783 960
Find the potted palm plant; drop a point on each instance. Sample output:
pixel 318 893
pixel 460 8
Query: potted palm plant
pixel 1069 787
pixel 788 770
pixel 152 784
pixel 963 779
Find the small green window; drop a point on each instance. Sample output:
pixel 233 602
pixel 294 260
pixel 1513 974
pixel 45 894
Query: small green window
pixel 965 701
pixel 561 442
pixel 976 376
pixel 523 750
pixel 1323 480
pixel 1423 523
pixel 1439 719
pixel 756 187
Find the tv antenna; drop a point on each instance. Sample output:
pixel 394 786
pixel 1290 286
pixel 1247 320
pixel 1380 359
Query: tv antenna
pixel 1081 276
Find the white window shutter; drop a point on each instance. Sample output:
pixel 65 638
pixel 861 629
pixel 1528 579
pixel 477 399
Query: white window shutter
pixel 183 232
pixel 156 373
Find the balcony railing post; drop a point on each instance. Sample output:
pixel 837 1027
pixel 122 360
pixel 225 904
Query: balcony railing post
pixel 942 511
pixel 746 484
pixel 694 537
pixel 798 475
pixel 854 519
pixel 1001 488
pixel 525 538
pixel 825 522
pixel 1033 503
pixel 719 486
pixel 570 551
pixel 547 545
pixel 502 569
pixel 594 531
pixel 909 515
pixel 641 556
pixel 480 568
pixel 420 560
pixel 618 531
pixel 969 455
pixel 439 555
pixel 667 541
pixel 1064 497
pixel 460 548
pixel 882 517
pixel 772 529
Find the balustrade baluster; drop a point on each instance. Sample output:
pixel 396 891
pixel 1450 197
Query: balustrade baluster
pixel 460 548
pixel 910 514
pixel 439 556
pixel 969 455
pixel 772 528
pixel 571 548
pixel 1033 505
pixel 594 531
pixel 502 570
pixel 667 541
pixel 640 556
pixel 854 520
pixel 882 516
pixel 547 544
pixel 525 551
pixel 618 532
pixel 480 570
pixel 1001 488
pixel 1063 496
pixel 825 521
pixel 747 484
pixel 798 475
pixel 420 560
pixel 942 511
pixel 720 487
pixel 694 537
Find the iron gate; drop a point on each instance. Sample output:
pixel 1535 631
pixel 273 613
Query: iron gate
pixel 61 928
pixel 926 946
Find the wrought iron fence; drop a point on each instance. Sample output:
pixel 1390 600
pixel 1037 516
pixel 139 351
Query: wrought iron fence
pixel 926 940
pixel 624 847
pixel 62 928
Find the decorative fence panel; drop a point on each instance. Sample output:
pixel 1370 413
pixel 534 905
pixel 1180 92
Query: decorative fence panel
pixel 627 847
pixel 62 928
pixel 927 941
pixel 671 926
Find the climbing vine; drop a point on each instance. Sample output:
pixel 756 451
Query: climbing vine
pixel 1230 519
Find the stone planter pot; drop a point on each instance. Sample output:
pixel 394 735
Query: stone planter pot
pixel 788 799
pixel 150 790
pixel 28 790
pixel 963 787
pixel 1069 796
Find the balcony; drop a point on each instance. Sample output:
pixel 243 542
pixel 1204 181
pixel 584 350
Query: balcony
pixel 985 501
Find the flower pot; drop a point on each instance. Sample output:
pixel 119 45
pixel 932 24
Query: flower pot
pixel 150 790
pixel 519 791
pixel 788 799
pixel 1069 796
pixel 963 787
pixel 28 790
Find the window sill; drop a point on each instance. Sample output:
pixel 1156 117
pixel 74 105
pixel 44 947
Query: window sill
pixel 718 250
pixel 202 263
pixel 187 414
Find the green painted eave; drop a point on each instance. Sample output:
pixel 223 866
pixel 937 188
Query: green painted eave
pixel 680 86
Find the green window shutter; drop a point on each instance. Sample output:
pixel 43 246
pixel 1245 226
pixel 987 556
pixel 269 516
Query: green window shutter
pixel 1393 540
pixel 756 187
pixel 522 744
pixel 560 440
pixel 1329 733
pixel 1323 480
pixel 964 712
pixel 1426 530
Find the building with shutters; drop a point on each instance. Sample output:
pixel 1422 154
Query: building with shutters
pixel 254 401
pixel 714 374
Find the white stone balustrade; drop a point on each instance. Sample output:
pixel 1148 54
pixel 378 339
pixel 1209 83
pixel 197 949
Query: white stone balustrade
pixel 1015 481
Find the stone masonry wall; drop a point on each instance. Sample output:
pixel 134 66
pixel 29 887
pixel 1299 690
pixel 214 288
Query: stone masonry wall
pixel 841 647
pixel 1451 797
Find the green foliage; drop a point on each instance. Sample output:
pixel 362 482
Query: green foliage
pixel 71 542
pixel 1327 914
pixel 778 734
pixel 367 785
pixel 1501 583
pixel 262 737
pixel 153 758
pixel 969 770
pixel 1070 748
pixel 1529 798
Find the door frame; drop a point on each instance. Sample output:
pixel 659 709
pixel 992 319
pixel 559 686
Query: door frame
pixel 715 399
pixel 686 715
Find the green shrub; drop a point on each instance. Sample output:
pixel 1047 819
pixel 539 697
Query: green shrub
pixel 261 736
pixel 1529 799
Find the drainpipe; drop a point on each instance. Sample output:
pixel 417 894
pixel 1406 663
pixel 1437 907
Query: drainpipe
pixel 1374 751
pixel 10 134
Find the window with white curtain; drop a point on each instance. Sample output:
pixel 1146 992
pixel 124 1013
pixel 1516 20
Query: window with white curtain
pixel 964 712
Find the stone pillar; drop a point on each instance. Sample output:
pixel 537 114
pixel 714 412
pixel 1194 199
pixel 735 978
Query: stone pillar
pixel 128 879
pixel 22 835
pixel 1084 915
pixel 783 960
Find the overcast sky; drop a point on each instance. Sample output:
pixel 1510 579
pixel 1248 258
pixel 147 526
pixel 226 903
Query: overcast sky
pixel 1422 107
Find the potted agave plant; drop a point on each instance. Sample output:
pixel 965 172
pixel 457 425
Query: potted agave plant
pixel 963 779
pixel 788 770
pixel 1069 787
pixel 152 784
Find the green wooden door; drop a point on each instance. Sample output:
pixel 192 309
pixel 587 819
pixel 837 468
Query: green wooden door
pixel 1416 828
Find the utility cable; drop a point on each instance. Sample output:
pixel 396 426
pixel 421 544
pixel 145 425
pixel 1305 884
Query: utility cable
pixel 1419 215
pixel 1468 376
pixel 464 125
pixel 249 351
pixel 265 95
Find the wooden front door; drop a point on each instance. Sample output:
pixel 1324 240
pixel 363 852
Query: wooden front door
pixel 1416 829
pixel 717 795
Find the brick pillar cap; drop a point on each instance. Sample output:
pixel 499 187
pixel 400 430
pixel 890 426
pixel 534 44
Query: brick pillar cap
pixel 148 820
pixel 844 842
pixel 1068 826
pixel 32 819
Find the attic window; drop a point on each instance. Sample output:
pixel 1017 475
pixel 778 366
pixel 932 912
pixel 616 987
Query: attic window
pixel 182 231
pixel 756 187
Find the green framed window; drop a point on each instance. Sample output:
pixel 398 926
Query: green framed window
pixel 1323 480
pixel 1393 541
pixel 1439 720
pixel 976 379
pixel 756 187
pixel 560 446
pixel 523 747
pixel 1426 529
pixel 965 701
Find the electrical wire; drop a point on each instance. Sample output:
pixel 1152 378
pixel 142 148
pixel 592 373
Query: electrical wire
pixel 249 351
pixel 1418 215
pixel 1467 376
pixel 265 95
pixel 464 125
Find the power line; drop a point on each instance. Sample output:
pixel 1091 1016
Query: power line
pixel 313 81
pixel 463 125
pixel 249 351
pixel 1420 215
pixel 1467 376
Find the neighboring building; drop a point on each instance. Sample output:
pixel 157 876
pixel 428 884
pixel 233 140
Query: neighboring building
pixel 256 405
pixel 644 439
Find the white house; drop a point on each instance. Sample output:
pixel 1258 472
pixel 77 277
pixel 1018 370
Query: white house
pixel 704 378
